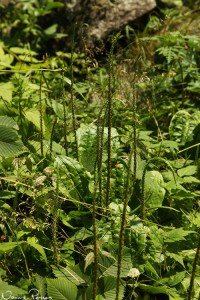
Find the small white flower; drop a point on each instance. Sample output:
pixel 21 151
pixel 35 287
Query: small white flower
pixel 133 272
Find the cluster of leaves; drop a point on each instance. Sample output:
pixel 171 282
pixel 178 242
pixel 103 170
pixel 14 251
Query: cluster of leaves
pixel 99 191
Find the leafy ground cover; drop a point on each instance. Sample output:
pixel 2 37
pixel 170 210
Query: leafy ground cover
pixel 99 161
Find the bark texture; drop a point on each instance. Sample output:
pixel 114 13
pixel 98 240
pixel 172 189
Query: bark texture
pixel 105 16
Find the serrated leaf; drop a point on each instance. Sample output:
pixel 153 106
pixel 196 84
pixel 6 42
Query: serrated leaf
pixel 175 235
pixel 9 122
pixel 107 287
pixel 61 289
pixel 70 274
pixel 176 257
pixel 87 143
pixel 179 128
pixel 40 284
pixel 177 278
pixel 10 144
pixel 8 291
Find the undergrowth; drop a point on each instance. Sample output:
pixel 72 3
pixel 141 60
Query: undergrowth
pixel 99 166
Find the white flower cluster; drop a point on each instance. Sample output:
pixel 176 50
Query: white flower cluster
pixel 133 272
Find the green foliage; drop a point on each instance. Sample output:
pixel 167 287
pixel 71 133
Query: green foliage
pixel 10 143
pixel 99 161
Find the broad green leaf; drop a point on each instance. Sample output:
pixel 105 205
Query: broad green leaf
pixel 177 278
pixel 34 116
pixel 32 241
pixel 10 143
pixel 9 122
pixel 6 90
pixel 64 218
pixel 9 246
pixel 40 284
pixel 82 234
pixel 73 274
pixel 19 50
pixel 196 288
pixel 52 5
pixel 8 291
pixel 157 289
pixel 5 59
pixel 87 144
pixel 196 220
pixel 61 289
pixel 179 128
pixel 89 259
pixel 190 179
pixel 77 174
pixel 175 235
pixel 28 58
pixel 154 191
pixel 107 287
pixel 58 109
pixel 126 265
pixel 7 194
pixel 182 126
pixel 151 270
pixel 51 30
pixel 177 257
pixel 187 171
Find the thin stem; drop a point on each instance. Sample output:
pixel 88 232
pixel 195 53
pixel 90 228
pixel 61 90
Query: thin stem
pixel 72 93
pixel 111 86
pixel 96 256
pixel 55 220
pixel 100 147
pixel 64 117
pixel 123 224
pixel 194 267
pixel 41 117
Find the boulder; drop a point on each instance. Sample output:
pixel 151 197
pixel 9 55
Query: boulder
pixel 105 16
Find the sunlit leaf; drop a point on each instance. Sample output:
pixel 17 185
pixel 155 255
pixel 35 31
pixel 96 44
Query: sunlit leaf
pixel 61 289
